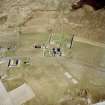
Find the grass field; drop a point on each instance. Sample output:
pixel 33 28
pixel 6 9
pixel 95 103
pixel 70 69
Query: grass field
pixel 45 74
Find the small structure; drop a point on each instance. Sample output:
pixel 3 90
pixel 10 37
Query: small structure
pixel 37 46
pixel 71 78
pixel 56 51
pixel 14 62
pixel 3 49
pixel 27 60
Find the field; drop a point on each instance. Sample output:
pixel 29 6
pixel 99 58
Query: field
pixel 46 74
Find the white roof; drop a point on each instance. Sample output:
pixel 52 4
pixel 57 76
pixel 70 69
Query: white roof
pixel 4 97
pixel 18 96
pixel 21 94
pixel 100 103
